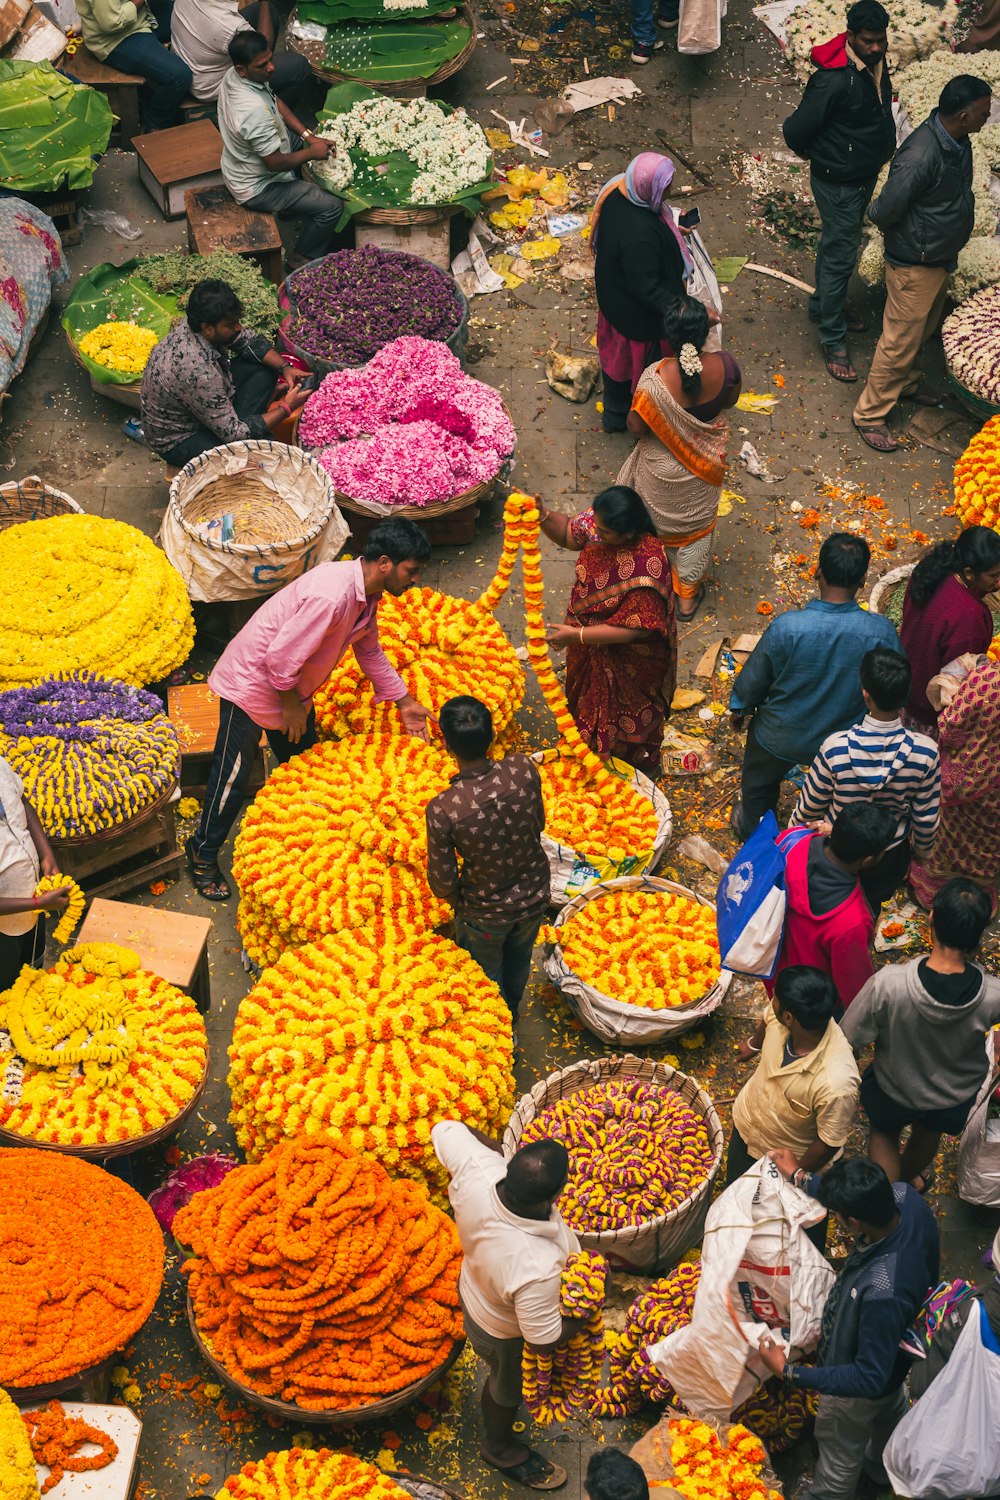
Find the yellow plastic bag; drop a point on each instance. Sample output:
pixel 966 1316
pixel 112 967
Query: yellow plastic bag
pixel 541 249
pixel 754 401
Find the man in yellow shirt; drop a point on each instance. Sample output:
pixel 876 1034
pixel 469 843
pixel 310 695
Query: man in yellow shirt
pixel 133 36
pixel 803 1096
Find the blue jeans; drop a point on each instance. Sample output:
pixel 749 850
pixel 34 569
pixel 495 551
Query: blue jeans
pixel 167 78
pixel 842 210
pixel 644 19
pixel 502 950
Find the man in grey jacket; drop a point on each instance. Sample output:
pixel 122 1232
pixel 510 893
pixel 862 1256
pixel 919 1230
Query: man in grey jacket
pixel 926 212
pixel 928 1019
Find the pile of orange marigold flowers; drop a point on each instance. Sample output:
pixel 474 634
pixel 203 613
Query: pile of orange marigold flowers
pixel 706 1465
pixel 317 1279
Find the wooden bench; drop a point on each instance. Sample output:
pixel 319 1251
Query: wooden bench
pixel 172 162
pixel 217 222
pixel 199 109
pixel 122 89
pixel 169 943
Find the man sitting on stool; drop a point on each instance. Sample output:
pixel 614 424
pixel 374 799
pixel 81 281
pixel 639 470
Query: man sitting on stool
pixel 264 145
pixel 201 31
pixel 211 380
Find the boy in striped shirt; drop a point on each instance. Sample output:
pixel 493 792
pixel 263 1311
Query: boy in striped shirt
pixel 879 761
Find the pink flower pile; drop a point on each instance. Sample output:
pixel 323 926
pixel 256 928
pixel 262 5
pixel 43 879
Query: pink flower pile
pixel 408 428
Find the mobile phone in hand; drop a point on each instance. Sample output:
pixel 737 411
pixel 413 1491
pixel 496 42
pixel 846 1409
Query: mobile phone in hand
pixel 690 219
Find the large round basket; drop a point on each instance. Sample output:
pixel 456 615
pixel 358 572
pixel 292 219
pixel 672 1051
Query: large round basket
pixel 424 1489
pixel 660 1241
pixel 125 395
pixel 89 1385
pixel 977 406
pixel 287 1411
pixel 262 555
pixel 111 1150
pixel 610 1019
pixel 116 831
pixel 31 499
pixel 402 88
pixel 573 872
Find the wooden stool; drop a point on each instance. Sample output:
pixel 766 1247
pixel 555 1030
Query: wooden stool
pixel 199 109
pixel 121 89
pixel 171 161
pixel 217 222
pixel 193 709
pixel 169 943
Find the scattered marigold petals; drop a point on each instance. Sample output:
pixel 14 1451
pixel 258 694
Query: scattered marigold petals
pixel 809 518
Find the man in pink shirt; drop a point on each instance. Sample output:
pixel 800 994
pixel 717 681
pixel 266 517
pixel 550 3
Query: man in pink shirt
pixel 267 675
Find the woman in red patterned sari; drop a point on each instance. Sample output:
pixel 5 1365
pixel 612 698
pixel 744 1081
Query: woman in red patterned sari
pixel 620 635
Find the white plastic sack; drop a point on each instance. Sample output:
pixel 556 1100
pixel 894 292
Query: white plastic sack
pixel 214 570
pixel 704 285
pixel 700 27
pixel 948 1444
pixel 759 1274
pixel 979 1149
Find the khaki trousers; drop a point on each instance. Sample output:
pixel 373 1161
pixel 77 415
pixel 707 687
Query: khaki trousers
pixel 914 303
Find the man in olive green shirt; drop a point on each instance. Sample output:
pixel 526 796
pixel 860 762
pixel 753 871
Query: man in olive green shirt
pixel 131 35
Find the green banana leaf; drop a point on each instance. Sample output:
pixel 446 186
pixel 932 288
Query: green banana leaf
pixel 50 129
pixel 383 182
pixel 395 50
pixel 116 292
pixel 336 12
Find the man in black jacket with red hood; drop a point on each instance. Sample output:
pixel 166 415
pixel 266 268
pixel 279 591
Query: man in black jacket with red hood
pixel 844 128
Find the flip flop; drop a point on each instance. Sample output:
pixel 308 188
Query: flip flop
pixel 208 879
pixel 879 438
pixel 684 617
pixel 535 1472
pixel 927 1177
pixel 841 358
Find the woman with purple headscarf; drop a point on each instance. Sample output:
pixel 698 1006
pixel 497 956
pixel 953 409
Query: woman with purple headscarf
pixel 641 266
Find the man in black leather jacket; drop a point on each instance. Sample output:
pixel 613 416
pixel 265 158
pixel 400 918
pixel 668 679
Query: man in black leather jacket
pixel 844 128
pixel 926 212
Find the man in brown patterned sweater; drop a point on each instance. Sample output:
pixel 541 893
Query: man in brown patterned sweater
pixel 492 817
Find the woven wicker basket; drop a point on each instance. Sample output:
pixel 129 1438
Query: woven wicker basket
pixel 610 1019
pixel 125 395
pixel 288 1412
pixel 31 499
pixel 402 88
pixel 883 587
pixel 978 406
pixel 90 1384
pixel 644 1247
pixel 425 1489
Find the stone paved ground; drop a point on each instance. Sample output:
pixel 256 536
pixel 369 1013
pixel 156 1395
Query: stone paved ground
pixel 710 108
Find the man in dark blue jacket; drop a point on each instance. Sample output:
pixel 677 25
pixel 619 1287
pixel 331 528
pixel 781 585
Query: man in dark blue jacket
pixel 927 213
pixel 844 128
pixel 860 1369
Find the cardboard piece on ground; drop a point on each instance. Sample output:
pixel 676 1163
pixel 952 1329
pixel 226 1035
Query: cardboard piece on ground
pixel 591 92
pixel 710 656
pixel 115 1481
pixel 12 16
pixel 744 644
pixel 38 40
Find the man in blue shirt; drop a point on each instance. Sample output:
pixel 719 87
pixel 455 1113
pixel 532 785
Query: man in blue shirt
pixel 860 1368
pixel 802 682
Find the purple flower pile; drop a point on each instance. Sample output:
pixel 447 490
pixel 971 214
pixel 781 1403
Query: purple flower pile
pixel 353 302
pixel 69 708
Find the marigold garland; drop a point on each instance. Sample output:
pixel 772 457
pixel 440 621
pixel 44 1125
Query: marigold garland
pixel 85 592
pixel 316 1278
pixel 562 1384
pixel 296 1472
pixel 18 1480
pixel 65 927
pixel 83 1264
pixel 123 346
pixel 636 1151
pixel 91 753
pixel 336 837
pixel 441 646
pixel 706 1465
pixel 654 949
pixel 977 479
pixel 96 1049
pixel 55 1437
pixel 377 1034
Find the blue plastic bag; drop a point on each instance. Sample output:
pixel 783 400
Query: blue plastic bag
pixel 751 899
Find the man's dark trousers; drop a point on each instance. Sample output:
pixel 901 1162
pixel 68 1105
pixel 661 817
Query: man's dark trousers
pixel 842 210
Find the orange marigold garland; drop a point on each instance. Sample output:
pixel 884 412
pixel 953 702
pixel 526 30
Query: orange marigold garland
pixel 297 1472
pixel 316 1278
pixel 55 1437
pixel 706 1465
pixel 83 1263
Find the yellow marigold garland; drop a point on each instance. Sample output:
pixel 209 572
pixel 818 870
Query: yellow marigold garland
pixel 18 1480
pixel 441 646
pixel 65 927
pixel 335 837
pixel 654 949
pixel 101 1050
pixel 977 479
pixel 562 1384
pixel 296 1472
pixel 123 346
pixel 377 1034
pixel 85 592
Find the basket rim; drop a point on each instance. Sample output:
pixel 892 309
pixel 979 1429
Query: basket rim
pixel 415 512
pixel 52 1390
pixel 298 456
pixel 346 1417
pixel 111 1150
pixel 131 386
pixel 592 1072
pixel 393 86
pixel 105 835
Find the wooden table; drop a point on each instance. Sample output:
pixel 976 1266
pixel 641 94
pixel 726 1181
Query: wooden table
pixel 169 943
pixel 217 222
pixel 193 709
pixel 172 161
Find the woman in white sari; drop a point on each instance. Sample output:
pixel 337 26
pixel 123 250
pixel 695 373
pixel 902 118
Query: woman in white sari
pixel 679 461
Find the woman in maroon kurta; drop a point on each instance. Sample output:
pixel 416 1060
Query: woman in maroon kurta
pixel 944 613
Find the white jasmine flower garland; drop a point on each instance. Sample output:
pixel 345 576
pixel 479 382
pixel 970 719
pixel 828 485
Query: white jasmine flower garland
pixel 336 172
pixel 915 30
pixel 971 340
pixel 450 150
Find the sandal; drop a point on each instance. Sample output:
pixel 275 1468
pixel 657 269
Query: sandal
pixel 535 1472
pixel 683 616
pixel 839 359
pixel 879 438
pixel 208 879
pixel 927 1178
